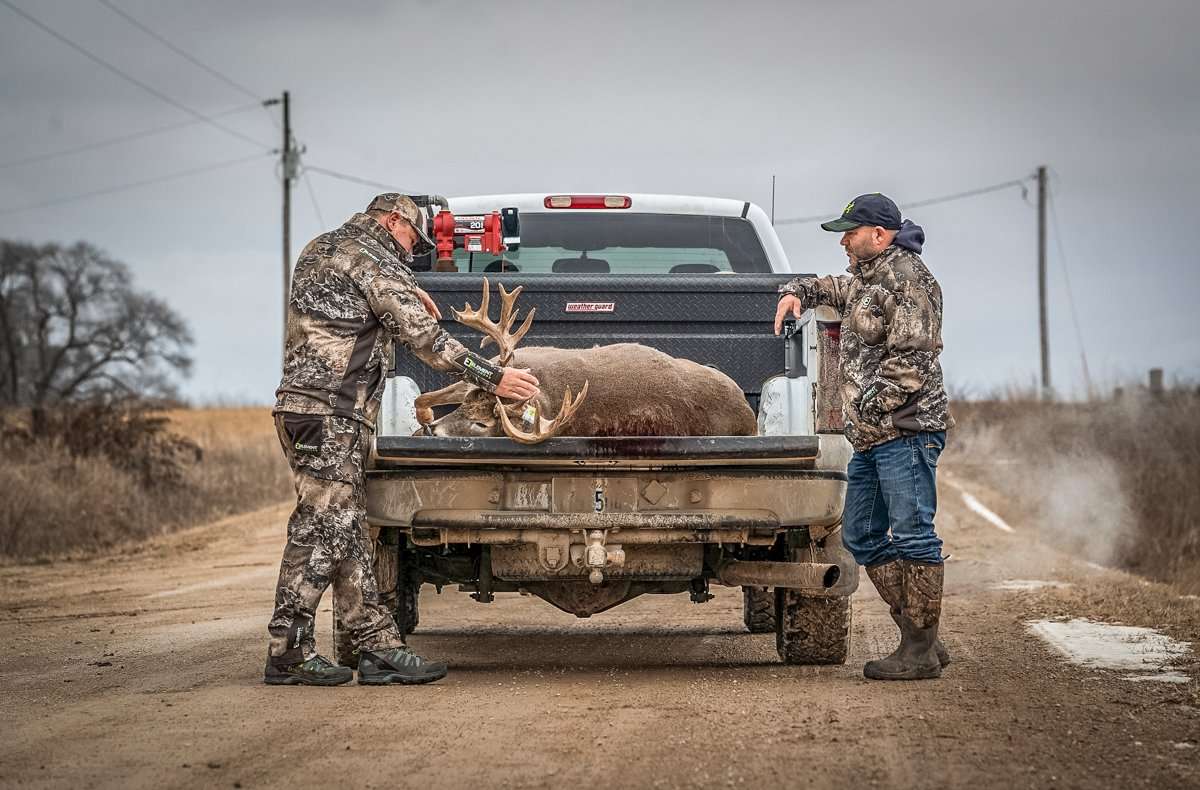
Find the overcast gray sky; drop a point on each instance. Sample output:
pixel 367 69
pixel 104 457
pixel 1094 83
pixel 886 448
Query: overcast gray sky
pixel 916 100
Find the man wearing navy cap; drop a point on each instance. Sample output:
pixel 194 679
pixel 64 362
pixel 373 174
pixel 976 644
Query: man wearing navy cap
pixel 895 410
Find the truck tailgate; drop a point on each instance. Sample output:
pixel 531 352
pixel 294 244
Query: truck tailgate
pixel 615 451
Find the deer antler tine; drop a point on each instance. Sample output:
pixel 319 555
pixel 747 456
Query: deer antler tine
pixel 570 406
pixel 485 299
pixel 579 400
pixel 508 313
pixel 520 333
pixel 499 333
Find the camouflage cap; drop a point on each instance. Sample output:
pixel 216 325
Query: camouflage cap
pixel 395 203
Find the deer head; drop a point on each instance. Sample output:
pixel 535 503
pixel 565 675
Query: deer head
pixel 481 413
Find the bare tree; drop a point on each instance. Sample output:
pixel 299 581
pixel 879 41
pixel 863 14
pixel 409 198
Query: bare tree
pixel 72 326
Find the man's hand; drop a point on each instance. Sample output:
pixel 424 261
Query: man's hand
pixel 788 302
pixel 432 308
pixel 517 384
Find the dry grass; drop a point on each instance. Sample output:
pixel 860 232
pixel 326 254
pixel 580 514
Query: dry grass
pixel 1117 482
pixel 59 502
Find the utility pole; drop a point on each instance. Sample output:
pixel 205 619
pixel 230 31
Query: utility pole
pixel 1042 328
pixel 289 159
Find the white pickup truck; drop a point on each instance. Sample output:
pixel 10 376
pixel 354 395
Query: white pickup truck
pixel 587 523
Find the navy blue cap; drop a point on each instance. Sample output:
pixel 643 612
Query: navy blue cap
pixel 873 209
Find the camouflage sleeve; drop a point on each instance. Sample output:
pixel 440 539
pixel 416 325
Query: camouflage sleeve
pixel 391 291
pixel 813 291
pixel 914 337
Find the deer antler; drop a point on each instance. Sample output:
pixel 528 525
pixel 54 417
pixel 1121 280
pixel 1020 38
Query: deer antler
pixel 424 404
pixel 546 428
pixel 499 333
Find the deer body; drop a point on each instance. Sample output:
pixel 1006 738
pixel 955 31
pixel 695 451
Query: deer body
pixel 633 390
pixel 625 389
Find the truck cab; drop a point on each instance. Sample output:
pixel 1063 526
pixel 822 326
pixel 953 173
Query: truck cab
pixel 586 523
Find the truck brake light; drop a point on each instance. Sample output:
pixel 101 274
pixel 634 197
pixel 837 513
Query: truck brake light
pixel 587 201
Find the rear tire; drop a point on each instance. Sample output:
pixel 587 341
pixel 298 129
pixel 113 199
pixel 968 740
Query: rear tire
pixel 758 609
pixel 812 629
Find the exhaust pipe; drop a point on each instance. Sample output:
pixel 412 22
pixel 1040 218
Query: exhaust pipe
pixel 792 575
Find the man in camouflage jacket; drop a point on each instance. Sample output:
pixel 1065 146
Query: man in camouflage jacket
pixel 895 410
pixel 353 298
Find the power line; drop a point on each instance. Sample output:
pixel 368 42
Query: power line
pixel 354 179
pixel 117 140
pixel 190 58
pixel 1017 182
pixel 180 51
pixel 130 78
pixel 1062 259
pixel 135 184
pixel 313 197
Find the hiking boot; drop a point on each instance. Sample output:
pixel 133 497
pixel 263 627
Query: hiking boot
pixel 316 671
pixel 920 612
pixel 397 665
pixel 888 578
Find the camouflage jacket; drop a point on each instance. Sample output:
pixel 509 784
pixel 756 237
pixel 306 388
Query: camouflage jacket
pixel 891 337
pixel 353 296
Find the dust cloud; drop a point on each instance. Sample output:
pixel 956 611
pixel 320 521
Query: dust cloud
pixel 1073 497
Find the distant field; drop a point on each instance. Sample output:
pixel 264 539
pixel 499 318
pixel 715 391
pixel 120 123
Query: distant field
pixel 224 426
pixel 1115 482
pixel 57 503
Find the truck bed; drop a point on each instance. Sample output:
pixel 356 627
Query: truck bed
pixel 722 320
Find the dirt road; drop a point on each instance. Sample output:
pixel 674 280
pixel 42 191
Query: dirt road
pixel 144 670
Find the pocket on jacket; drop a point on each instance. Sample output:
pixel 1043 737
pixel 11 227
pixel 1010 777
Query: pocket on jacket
pixel 905 417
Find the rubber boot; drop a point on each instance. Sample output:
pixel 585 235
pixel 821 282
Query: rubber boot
pixel 920 614
pixel 397 665
pixel 316 671
pixel 888 578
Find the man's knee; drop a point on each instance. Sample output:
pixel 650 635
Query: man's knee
pixel 867 547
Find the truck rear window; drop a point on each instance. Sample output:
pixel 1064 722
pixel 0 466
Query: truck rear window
pixel 617 242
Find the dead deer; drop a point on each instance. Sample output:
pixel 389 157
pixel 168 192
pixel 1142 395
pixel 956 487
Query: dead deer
pixel 625 389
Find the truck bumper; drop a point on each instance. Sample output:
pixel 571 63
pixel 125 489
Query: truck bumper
pixel 565 524
pixel 747 502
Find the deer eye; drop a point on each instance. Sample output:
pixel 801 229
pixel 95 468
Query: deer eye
pixel 481 425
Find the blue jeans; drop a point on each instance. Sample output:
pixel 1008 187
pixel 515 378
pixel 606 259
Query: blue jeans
pixel 891 498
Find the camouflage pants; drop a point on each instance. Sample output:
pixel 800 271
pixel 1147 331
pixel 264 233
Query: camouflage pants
pixel 327 540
